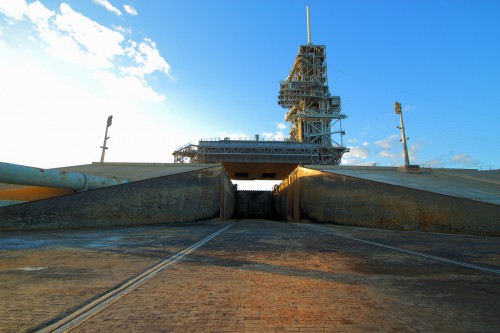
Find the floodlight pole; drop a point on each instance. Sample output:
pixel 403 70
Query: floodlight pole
pixel 106 137
pixel 397 109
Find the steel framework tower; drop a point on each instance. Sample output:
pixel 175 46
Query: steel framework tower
pixel 313 112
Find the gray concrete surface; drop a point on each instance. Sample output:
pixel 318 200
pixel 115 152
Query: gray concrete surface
pixel 196 194
pixel 258 276
pixel 126 170
pixel 463 183
pixel 387 198
pixel 136 171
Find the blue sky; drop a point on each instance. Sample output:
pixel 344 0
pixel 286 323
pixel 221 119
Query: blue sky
pixel 173 72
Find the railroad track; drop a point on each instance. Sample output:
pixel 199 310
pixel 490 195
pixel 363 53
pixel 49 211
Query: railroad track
pixel 94 307
pixel 420 254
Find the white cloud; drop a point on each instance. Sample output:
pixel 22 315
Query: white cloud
pixel 129 87
pixel 233 135
pixel 388 151
pixel 60 81
pixel 388 142
pixel 278 135
pixel 58 118
pixel 77 39
pixel 70 35
pixel 414 149
pixel 40 112
pixel 147 57
pixel 13 8
pixel 464 159
pixel 436 162
pixel 387 154
pixel 125 31
pixel 357 155
pixel 106 4
pixel 39 15
pixel 131 10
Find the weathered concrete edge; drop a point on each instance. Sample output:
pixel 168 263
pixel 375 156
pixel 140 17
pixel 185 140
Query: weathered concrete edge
pixel 333 198
pixel 344 172
pixel 186 197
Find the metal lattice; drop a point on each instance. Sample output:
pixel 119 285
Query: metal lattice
pixel 312 110
pixel 313 113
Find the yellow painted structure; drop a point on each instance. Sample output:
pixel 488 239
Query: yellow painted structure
pixel 31 193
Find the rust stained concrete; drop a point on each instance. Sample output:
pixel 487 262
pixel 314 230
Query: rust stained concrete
pixel 441 201
pixel 171 194
pixel 463 183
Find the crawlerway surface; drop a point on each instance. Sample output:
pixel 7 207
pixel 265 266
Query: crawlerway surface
pixel 257 275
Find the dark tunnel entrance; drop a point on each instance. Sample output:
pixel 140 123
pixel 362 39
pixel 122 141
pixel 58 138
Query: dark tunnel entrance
pixel 254 205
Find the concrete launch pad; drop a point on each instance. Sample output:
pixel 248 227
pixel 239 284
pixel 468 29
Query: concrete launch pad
pixel 255 276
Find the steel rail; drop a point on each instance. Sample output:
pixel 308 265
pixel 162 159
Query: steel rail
pixel 94 307
pixel 420 254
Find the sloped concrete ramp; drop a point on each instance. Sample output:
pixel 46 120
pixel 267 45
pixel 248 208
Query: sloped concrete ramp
pixel 121 171
pixel 135 171
pixel 157 193
pixel 442 200
pixel 463 183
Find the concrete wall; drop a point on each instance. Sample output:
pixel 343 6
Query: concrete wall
pixel 254 204
pixel 227 194
pixel 327 197
pixel 184 197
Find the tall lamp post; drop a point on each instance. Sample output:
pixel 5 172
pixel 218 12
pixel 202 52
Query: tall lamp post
pixel 106 137
pixel 397 109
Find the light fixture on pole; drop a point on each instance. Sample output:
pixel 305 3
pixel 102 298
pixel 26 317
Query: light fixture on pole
pixel 106 137
pixel 407 167
pixel 397 109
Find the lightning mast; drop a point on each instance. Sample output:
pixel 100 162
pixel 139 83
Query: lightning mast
pixel 313 111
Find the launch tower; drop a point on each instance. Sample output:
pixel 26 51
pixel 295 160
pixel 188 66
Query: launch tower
pixel 314 115
pixel 315 127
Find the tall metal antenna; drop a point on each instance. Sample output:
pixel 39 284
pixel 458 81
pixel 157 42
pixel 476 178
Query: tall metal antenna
pixel 308 27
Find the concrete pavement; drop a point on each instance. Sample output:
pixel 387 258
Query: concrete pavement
pixel 258 275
